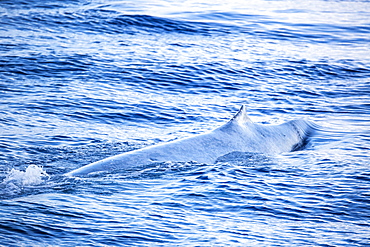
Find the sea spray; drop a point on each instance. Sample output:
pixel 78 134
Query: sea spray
pixel 15 180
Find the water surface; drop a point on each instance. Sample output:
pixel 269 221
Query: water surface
pixel 85 80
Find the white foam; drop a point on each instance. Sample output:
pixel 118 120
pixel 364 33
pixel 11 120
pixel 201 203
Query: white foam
pixel 32 176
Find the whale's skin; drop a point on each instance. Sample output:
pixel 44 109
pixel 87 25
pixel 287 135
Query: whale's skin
pixel 239 134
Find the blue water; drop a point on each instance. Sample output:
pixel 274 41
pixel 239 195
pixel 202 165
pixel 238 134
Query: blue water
pixel 84 80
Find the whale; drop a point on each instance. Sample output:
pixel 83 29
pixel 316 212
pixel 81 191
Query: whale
pixel 239 134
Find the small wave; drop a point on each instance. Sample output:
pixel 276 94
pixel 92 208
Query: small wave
pixel 16 180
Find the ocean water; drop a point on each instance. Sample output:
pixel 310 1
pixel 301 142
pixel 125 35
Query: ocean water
pixel 84 80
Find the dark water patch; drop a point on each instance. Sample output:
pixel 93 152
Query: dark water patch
pixel 112 22
pixel 191 79
pixel 45 66
pixel 31 4
pixel 311 70
pixel 108 22
pixel 267 27
pixel 320 33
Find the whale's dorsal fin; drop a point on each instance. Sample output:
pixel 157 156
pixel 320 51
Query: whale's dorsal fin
pixel 241 116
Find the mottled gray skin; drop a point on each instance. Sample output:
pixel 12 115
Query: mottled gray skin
pixel 239 134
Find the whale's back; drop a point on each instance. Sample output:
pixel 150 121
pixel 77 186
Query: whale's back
pixel 240 134
pixel 247 136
